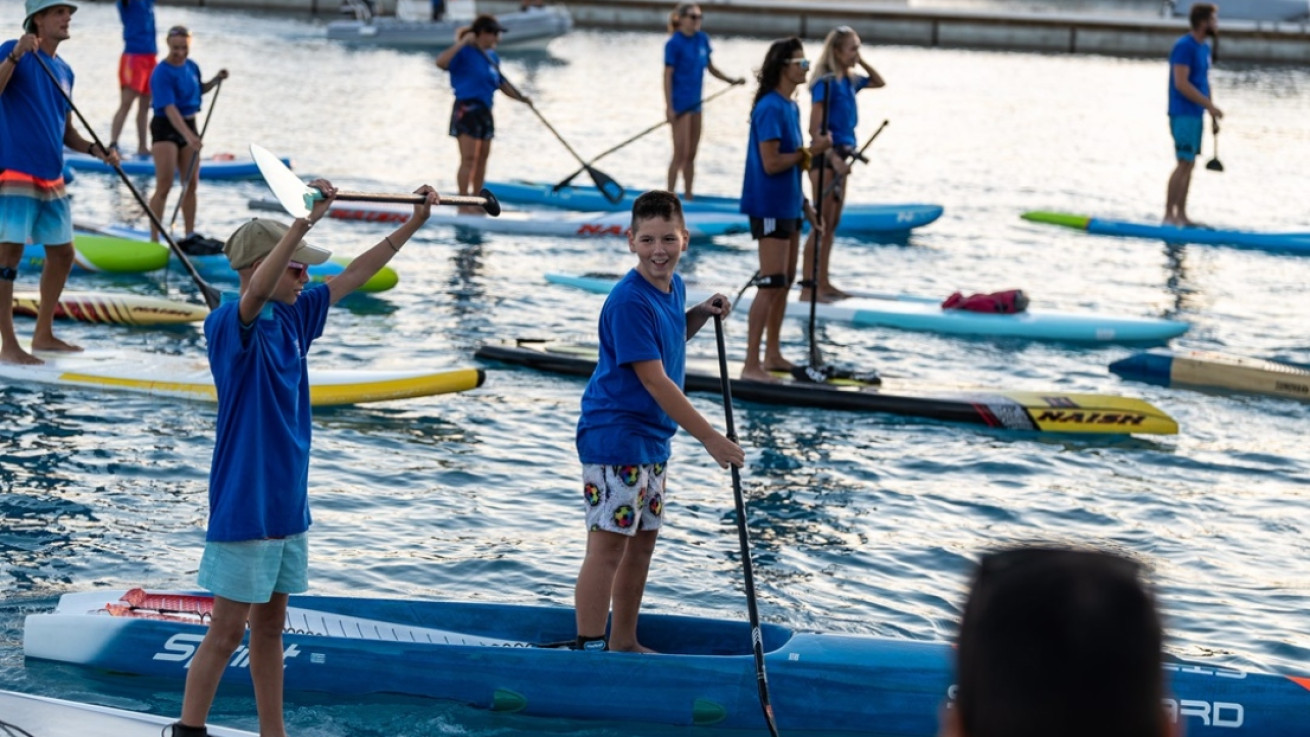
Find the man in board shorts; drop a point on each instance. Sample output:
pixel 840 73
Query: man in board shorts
pixel 34 129
pixel 1189 99
pixel 135 66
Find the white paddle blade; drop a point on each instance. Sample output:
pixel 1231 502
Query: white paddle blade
pixel 291 193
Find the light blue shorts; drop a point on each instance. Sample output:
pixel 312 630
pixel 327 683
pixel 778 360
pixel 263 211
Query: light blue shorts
pixel 25 219
pixel 251 571
pixel 1187 136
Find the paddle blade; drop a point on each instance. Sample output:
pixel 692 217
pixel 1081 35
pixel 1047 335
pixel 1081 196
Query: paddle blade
pixel 607 186
pixel 1214 165
pixel 492 205
pixel 566 181
pixel 291 193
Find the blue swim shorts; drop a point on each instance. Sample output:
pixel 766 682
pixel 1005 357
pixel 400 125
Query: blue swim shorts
pixel 1187 136
pixel 624 499
pixel 251 571
pixel 34 210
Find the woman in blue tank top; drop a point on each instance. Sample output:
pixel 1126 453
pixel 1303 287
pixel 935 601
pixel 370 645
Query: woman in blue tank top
pixel 686 59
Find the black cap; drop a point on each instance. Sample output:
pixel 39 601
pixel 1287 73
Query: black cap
pixel 487 24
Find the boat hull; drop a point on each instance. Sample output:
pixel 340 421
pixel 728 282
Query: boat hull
pixel 834 684
pixel 532 29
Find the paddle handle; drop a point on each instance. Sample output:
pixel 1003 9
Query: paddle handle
pixel 485 199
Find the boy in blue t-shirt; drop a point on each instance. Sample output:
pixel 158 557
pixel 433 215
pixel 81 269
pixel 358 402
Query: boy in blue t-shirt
pixel 256 548
pixel 1189 100
pixel 631 408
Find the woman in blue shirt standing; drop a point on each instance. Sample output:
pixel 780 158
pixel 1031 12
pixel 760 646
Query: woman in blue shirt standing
pixel 836 81
pixel 475 74
pixel 686 58
pixel 771 196
pixel 176 88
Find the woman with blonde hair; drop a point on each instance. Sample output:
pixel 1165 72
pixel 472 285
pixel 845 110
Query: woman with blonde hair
pixel 834 86
pixel 686 58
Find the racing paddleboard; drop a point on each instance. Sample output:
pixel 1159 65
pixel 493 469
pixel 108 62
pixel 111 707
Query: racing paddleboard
pixel 856 218
pixel 1045 411
pixel 215 267
pixel 189 377
pixel 1205 369
pixel 43 716
pixel 118 308
pixel 216 166
pixel 909 312
pixel 102 253
pixel 541 222
pixel 1298 243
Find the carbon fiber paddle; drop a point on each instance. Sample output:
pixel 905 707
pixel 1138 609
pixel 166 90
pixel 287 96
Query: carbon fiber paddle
pixel 195 157
pixel 298 199
pixel 1215 164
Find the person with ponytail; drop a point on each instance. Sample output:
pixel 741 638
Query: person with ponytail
pixel 836 82
pixel 771 195
pixel 686 58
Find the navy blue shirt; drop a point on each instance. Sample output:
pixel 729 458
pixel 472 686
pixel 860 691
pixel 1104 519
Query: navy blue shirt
pixel 621 423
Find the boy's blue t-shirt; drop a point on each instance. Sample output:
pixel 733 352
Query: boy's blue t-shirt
pixel 621 422
pixel 1195 55
pixel 689 56
pixel 176 85
pixel 138 18
pixel 772 195
pixel 843 113
pixel 474 76
pixel 259 478
pixel 33 115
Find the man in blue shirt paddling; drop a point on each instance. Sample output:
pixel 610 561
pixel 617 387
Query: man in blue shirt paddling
pixel 1189 99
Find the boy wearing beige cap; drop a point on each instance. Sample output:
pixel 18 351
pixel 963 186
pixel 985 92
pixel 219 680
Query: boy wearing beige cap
pixel 256 551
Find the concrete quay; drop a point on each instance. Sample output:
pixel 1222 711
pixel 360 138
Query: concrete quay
pixel 892 23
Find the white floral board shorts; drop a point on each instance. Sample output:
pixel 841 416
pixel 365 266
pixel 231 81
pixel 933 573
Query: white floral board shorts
pixel 624 499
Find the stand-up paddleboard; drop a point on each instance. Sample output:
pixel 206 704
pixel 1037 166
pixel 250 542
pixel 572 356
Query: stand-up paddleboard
pixel 117 308
pixel 189 377
pixel 856 218
pixel 925 314
pixel 704 675
pixel 216 166
pixel 556 223
pixel 1054 411
pixel 1218 371
pixel 103 253
pixel 42 716
pixel 215 267
pixel 1297 243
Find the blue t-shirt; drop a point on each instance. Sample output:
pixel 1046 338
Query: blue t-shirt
pixel 774 118
pixel 689 56
pixel 259 478
pixel 180 86
pixel 843 115
pixel 138 18
pixel 1195 55
pixel 474 76
pixel 621 422
pixel 33 115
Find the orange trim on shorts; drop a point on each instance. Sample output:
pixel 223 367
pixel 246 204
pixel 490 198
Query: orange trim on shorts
pixel 134 72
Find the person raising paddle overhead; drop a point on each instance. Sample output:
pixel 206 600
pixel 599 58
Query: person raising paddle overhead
pixel 35 126
pixel 475 75
pixel 1189 100
pixel 771 195
pixel 256 546
pixel 631 408
pixel 834 84
pixel 177 88
pixel 686 58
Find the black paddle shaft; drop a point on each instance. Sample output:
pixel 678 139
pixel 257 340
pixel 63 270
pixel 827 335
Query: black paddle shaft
pixel 816 356
pixel 209 293
pixel 484 199
pixel 195 155
pixel 752 610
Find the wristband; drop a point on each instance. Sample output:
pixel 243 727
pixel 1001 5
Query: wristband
pixel 14 59
pixel 807 158
pixel 394 248
pixel 91 147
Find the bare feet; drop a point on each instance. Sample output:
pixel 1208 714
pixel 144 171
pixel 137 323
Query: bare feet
pixel 825 296
pixel 758 374
pixel 51 343
pixel 14 354
pixel 777 363
pixel 636 647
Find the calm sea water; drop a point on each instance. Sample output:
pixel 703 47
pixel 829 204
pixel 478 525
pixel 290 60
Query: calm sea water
pixel 861 523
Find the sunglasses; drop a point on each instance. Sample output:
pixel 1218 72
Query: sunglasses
pixel 296 269
pixel 693 16
pixel 804 63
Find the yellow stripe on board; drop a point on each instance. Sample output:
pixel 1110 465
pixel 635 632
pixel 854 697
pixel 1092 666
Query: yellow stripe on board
pixel 380 391
pixel 1094 413
pixel 190 390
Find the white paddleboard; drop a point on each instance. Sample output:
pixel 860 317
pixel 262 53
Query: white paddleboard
pixel 49 717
